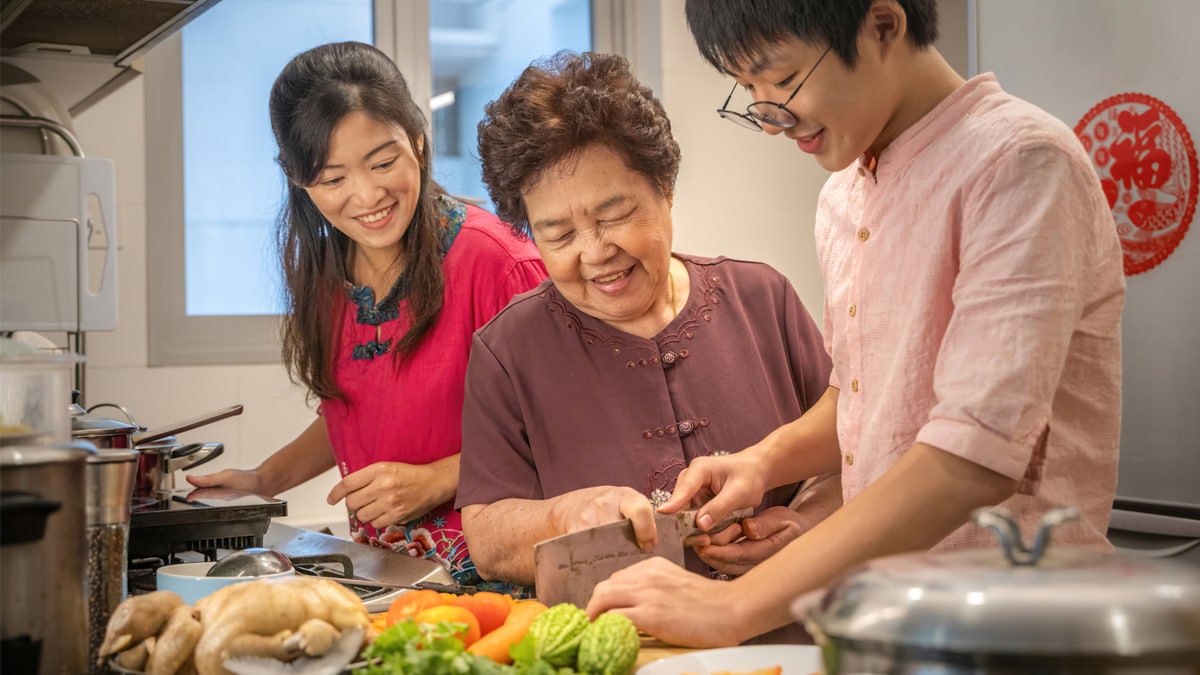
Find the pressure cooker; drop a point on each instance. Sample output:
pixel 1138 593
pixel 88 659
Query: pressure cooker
pixel 1014 609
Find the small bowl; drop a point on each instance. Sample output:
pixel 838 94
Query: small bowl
pixel 190 582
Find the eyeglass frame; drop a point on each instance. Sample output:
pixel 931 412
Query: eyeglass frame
pixel 749 116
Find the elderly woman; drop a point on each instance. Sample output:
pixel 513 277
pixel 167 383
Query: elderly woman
pixel 589 394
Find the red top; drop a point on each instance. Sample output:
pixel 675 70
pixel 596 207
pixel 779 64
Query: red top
pixel 412 411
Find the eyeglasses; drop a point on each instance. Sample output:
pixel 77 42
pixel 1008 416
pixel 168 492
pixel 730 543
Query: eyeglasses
pixel 767 112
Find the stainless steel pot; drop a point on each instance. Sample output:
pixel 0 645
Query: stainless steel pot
pixel 159 460
pixel 161 455
pixel 43 625
pixel 1014 610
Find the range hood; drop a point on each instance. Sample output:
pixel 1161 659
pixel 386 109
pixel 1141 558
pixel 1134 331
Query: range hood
pixel 85 49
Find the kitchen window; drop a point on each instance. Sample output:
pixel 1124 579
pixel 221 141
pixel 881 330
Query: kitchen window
pixel 213 188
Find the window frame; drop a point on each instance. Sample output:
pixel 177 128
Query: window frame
pixel 173 337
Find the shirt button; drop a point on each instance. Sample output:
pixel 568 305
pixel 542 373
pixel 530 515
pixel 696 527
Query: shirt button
pixel 864 234
pixel 862 171
pixel 849 459
pixel 686 427
pixel 853 310
pixel 854 386
pixel 668 359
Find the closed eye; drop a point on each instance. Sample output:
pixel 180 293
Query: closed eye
pixel 332 182
pixel 387 164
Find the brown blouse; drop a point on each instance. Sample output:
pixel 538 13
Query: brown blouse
pixel 557 400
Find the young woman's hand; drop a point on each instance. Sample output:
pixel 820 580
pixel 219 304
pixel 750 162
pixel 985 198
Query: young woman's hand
pixel 393 493
pixel 240 480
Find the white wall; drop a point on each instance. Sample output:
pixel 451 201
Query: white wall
pixel 740 194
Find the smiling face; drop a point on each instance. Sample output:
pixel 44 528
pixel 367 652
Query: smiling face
pixel 369 186
pixel 840 111
pixel 604 233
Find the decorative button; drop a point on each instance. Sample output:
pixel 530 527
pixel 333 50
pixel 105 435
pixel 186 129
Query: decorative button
pixel 854 386
pixel 660 432
pixel 686 427
pixel 862 171
pixel 669 358
pixel 853 310
pixel 683 353
pixel 864 234
pixel 671 430
pixel 647 434
pixel 703 421
pixel 630 365
pixel 643 362
pixel 849 459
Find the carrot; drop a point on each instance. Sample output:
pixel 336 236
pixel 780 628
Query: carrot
pixel 495 645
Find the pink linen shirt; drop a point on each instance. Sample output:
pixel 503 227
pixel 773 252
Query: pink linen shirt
pixel 973 303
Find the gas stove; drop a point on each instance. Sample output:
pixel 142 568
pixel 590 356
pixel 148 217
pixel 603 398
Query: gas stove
pixel 200 520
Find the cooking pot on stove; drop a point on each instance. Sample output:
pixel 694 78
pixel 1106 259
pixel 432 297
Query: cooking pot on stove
pixel 161 455
pixel 1010 610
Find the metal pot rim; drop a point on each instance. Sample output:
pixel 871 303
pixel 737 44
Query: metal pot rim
pixel 1071 601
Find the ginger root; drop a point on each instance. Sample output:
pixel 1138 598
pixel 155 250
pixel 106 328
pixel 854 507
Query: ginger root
pixel 136 619
pixel 175 643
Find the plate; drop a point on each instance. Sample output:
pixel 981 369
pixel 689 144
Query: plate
pixel 795 659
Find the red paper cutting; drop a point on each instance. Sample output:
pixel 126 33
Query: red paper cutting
pixel 1147 166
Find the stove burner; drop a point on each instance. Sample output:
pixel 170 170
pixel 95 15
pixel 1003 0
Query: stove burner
pixel 200 520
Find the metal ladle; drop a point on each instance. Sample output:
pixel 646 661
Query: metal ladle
pixel 251 562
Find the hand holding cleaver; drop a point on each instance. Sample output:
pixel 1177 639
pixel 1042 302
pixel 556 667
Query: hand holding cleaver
pixel 568 567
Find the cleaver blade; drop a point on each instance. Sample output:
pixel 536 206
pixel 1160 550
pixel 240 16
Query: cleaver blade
pixel 568 567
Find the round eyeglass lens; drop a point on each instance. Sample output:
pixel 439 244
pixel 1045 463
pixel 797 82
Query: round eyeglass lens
pixel 743 121
pixel 775 115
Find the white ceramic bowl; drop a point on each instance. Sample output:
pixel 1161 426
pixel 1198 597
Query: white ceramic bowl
pixel 188 580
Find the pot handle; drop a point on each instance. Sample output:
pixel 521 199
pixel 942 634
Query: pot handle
pixel 193 455
pixel 118 406
pixel 23 517
pixel 187 425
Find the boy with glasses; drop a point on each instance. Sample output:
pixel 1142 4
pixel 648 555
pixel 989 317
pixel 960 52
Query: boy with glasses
pixel 973 290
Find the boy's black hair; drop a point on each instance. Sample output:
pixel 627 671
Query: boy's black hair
pixel 732 33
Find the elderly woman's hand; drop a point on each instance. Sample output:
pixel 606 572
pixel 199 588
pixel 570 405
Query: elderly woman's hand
pixel 736 549
pixel 589 507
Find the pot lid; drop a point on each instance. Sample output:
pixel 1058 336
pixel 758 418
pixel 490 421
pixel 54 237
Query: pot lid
pixel 13 456
pixel 1015 600
pixel 87 424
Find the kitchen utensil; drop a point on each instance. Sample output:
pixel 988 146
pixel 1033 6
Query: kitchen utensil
pixel 191 580
pixel 43 625
pixel 568 567
pixel 1022 609
pixel 251 562
pixel 332 662
pixel 110 474
pixel 186 425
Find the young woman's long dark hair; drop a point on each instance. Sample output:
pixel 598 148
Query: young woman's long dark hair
pixel 315 91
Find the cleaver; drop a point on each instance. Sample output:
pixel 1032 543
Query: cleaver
pixel 568 567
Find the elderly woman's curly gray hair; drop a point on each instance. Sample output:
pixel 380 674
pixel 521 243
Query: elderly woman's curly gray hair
pixel 556 109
